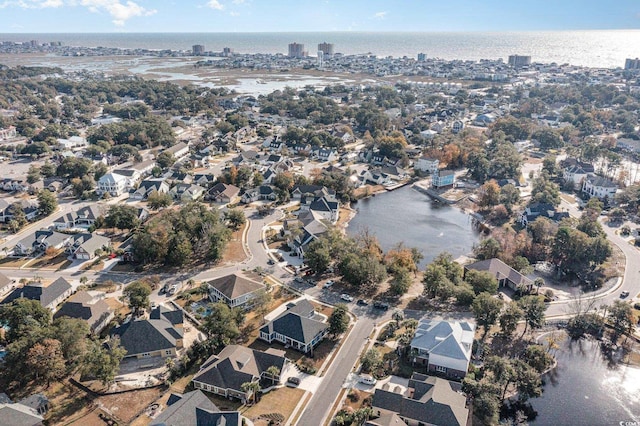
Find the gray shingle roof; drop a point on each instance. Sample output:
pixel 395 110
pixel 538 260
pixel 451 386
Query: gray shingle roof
pixel 181 409
pixel 19 415
pixel 234 286
pixel 500 270
pixel 143 336
pixel 297 327
pixel 80 306
pixel 38 291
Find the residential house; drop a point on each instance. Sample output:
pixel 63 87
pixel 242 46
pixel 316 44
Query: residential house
pixel 428 401
pixel 112 183
pixel 345 137
pixel 40 241
pixel 159 336
pixel 261 193
pixel 317 190
pixel 234 290
pixel 204 179
pixel 85 245
pixel 246 158
pixel 427 164
pixel 298 327
pixel 224 374
pixel 600 187
pixel 443 178
pixel 537 210
pixel 83 218
pixel 505 274
pixel 576 172
pixel 6 284
pixel 149 186
pixel 223 193
pixel 186 192
pixel 195 409
pixel 178 150
pixel 8 206
pixel 327 207
pixel 443 347
pixel 49 295
pixel 375 177
pixel 457 126
pixel 71 143
pixel 312 227
pixel 95 311
pixel 326 154
pixel 20 413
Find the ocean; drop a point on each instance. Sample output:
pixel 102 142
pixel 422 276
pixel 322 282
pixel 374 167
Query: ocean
pixel 593 48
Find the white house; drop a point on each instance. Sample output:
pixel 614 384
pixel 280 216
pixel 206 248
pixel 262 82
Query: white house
pixel 597 186
pixel 179 150
pixel 234 290
pixel 112 183
pixel 426 164
pixel 443 346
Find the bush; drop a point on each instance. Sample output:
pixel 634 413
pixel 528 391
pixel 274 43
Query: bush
pixel 636 306
pixel 354 395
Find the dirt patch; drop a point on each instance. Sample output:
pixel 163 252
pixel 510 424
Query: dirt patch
pixel 280 401
pixel 127 406
pixel 13 262
pixel 235 247
pixel 57 262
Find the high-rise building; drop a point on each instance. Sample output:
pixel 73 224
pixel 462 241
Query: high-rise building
pixel 518 61
pixel 422 57
pixel 326 49
pixel 227 51
pixel 320 60
pixel 296 50
pixel 198 49
pixel 632 64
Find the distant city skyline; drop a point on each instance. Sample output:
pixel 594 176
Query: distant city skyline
pixel 65 16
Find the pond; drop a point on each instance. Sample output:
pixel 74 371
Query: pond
pixel 409 216
pixel 586 389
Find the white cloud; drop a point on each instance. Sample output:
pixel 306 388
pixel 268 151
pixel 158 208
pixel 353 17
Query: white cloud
pixel 238 1
pixel 215 4
pixel 234 14
pixel 380 15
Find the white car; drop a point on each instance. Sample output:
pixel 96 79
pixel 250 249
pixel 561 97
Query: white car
pixel 345 296
pixel 367 379
pixel 328 284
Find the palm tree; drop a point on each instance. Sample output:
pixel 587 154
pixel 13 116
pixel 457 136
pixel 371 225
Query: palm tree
pixel 251 389
pixel 273 372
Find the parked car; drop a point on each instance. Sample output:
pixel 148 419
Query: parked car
pixel 346 297
pixel 381 305
pixel 624 294
pixel 328 284
pixel 362 302
pixel 293 381
pixel 367 379
pixel 271 262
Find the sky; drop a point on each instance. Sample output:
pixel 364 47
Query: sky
pixel 84 16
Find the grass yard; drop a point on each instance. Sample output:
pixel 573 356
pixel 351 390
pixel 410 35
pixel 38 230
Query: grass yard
pixel 57 262
pixel 235 251
pixel 281 401
pixel 13 262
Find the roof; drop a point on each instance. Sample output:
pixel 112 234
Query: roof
pixel 601 181
pixel 500 270
pixel 112 178
pixel 174 317
pixel 292 324
pixel 90 242
pixel 452 339
pixel 236 365
pixel 82 306
pixel 147 335
pixel 177 147
pixel 4 281
pixel 19 415
pixel 228 191
pixel 181 409
pixel 434 401
pixel 234 286
pixel 45 294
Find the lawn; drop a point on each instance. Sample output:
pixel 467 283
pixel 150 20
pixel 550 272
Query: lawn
pixel 280 401
pixel 320 352
pixel 235 251
pixel 14 262
pixel 57 262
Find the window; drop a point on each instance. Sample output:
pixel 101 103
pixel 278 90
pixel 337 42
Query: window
pixel 441 369
pixel 168 352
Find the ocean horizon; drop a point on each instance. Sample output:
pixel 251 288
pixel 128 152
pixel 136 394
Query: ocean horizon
pixel 590 48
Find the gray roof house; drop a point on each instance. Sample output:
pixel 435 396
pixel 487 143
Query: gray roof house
pixel 195 409
pixel 298 326
pixel 429 401
pixel 49 296
pixel 147 187
pixel 505 274
pixel 444 347
pixel 84 246
pixel 40 241
pixel 82 218
pixel 224 374
pixel 19 413
pixel 6 284
pixel 234 290
pixel 82 305
pixel 223 193
pixel 156 336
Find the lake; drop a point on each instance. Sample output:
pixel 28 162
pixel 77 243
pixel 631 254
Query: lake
pixel 585 390
pixel 408 216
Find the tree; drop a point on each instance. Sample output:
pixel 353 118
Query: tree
pixel 251 389
pixel 509 196
pixel 72 334
pixel 158 200
pixel 528 382
pixel 47 202
pixel 486 309
pixel 533 309
pixel 435 280
pixel 482 281
pixel 223 324
pixel 339 320
pixel 21 316
pixel 371 360
pixel 165 160
pixel 537 357
pixel 137 295
pixel 19 218
pixel 400 282
pixel 236 218
pixel 273 372
pixel 362 270
pixel 489 194
pixel 453 270
pixel 122 217
pixel 509 319
pixel 488 248
pixel 317 256
pixel 33 175
pixel 45 360
pixel 621 316
pixel 487 407
pixel 103 361
pixel 262 302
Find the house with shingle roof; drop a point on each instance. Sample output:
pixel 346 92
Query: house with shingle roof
pixel 195 409
pixel 536 210
pixel 19 413
pixel 96 312
pixel 444 347
pixel 223 193
pixel 298 326
pixel 49 295
pixel 84 246
pixel 600 187
pixel 428 401
pixel 224 374
pixel 6 284
pixel 505 274
pixel 149 186
pixel 145 338
pixel 234 290
pixel 83 218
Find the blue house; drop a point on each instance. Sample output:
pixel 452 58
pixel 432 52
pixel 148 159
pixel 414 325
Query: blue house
pixel 443 178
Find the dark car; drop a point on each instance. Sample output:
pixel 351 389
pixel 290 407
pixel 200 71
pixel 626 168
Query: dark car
pixel 624 294
pixel 362 302
pixel 293 381
pixel 381 305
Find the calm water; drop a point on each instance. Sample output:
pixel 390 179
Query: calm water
pixel 583 390
pixel 406 215
pixel 605 48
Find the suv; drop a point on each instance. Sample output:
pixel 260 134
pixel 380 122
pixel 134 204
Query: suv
pixel 624 294
pixel 381 305
pixel 293 381
pixel 346 297
pixel 328 284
